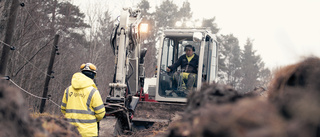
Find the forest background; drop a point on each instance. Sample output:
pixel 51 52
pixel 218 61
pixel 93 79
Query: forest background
pixel 38 21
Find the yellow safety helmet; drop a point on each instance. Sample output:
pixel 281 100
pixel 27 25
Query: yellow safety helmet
pixel 88 67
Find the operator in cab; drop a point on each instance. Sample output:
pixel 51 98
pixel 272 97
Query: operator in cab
pixel 189 68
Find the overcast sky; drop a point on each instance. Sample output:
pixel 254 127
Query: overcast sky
pixel 283 31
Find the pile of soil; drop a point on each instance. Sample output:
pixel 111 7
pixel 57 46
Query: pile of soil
pixel 51 126
pixel 157 129
pixel 211 94
pixel 291 109
pixel 15 120
pixel 295 91
pixel 14 116
pixel 219 110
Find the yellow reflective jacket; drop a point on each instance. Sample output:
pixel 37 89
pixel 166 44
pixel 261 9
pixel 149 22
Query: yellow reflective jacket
pixel 82 105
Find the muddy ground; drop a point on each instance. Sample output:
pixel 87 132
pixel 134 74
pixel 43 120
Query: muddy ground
pixel 289 107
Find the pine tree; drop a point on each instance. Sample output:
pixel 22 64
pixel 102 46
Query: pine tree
pixel 250 68
pixel 166 14
pixel 185 11
pixel 210 24
pixel 230 63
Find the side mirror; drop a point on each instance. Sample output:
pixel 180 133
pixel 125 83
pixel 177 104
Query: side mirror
pixel 197 36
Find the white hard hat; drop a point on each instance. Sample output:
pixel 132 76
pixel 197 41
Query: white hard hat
pixel 88 67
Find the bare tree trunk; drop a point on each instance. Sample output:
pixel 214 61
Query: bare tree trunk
pixel 8 36
pixel 4 17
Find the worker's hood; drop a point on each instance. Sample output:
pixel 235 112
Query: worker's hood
pixel 80 80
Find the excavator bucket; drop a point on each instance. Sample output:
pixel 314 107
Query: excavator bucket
pixel 148 113
pixel 144 116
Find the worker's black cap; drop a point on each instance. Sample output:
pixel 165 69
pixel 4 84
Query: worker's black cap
pixel 189 47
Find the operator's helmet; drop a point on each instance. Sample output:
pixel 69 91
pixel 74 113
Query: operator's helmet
pixel 189 47
pixel 89 70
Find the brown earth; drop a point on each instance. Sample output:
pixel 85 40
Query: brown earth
pixel 295 91
pixel 51 126
pixel 14 117
pixel 220 111
pixel 15 120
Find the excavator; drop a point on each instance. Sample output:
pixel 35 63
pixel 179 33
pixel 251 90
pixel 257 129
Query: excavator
pixel 128 106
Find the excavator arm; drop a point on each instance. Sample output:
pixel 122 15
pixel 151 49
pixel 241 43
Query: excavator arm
pixel 125 41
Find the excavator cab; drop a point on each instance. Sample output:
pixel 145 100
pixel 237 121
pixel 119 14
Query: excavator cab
pixel 128 106
pixel 173 42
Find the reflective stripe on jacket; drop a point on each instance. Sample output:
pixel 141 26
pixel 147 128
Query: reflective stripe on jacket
pixel 82 105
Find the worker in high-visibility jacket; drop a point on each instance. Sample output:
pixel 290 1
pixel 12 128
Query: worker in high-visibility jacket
pixel 81 103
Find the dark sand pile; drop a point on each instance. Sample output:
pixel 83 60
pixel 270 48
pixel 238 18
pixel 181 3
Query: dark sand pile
pixel 291 109
pixel 15 120
pixel 14 116
pixel 51 126
pixel 219 111
pixel 157 129
pixel 295 91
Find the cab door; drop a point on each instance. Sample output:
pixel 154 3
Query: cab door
pixel 210 61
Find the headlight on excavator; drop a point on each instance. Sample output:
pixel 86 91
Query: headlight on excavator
pixel 143 28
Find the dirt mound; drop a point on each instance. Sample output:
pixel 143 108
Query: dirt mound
pixel 14 116
pixel 211 94
pixel 248 117
pixel 158 129
pixel 15 120
pixel 303 76
pixel 292 109
pixel 218 110
pixel 295 90
pixel 51 126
